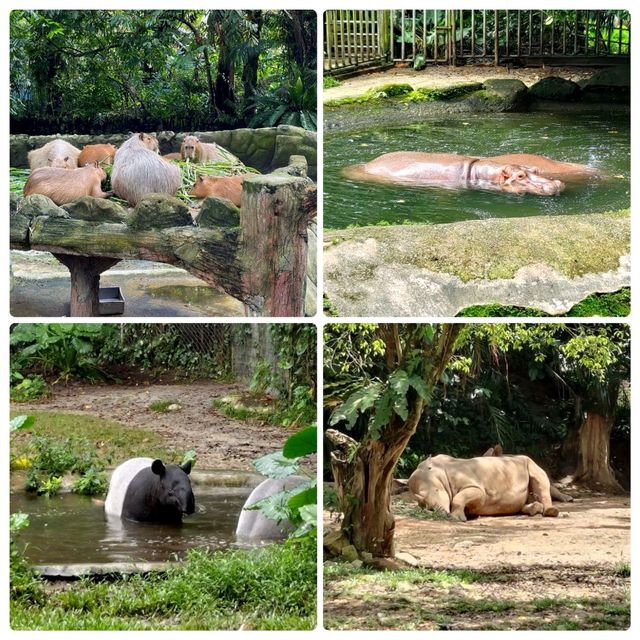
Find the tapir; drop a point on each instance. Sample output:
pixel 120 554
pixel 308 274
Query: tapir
pixel 253 524
pixel 484 486
pixel 454 172
pixel 146 490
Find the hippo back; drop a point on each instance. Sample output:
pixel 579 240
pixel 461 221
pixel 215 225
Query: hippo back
pixel 253 525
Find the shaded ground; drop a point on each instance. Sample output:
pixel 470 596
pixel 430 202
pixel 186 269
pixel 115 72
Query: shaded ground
pixel 220 442
pixel 445 76
pixel 515 572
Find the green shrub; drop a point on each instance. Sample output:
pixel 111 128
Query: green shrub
pixel 30 388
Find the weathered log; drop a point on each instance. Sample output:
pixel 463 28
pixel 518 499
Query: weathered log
pixel 274 215
pixel 218 212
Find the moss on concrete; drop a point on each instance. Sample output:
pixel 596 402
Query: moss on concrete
pixel 490 249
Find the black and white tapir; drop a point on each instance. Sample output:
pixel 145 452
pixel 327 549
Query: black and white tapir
pixel 253 525
pixel 146 490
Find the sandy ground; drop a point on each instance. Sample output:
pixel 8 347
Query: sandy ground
pixel 220 442
pixel 445 76
pixel 531 573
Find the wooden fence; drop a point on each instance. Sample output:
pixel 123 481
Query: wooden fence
pixel 362 39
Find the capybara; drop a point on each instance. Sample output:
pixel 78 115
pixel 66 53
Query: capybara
pixel 172 156
pixel 229 187
pixel 66 185
pixel 196 151
pixel 57 153
pixel 92 153
pixel 138 170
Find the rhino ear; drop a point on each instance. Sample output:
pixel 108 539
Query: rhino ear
pixel 186 467
pixel 158 468
pixel 429 463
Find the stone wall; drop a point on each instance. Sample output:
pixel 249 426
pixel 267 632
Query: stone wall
pixel 264 149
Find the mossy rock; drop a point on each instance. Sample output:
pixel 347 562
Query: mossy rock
pixel 504 94
pixel 15 202
pixel 160 211
pixel 218 212
pixel 391 90
pixel 38 205
pixel 556 88
pixel 95 210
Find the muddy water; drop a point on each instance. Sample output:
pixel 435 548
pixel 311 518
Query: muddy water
pixel 598 140
pixel 70 529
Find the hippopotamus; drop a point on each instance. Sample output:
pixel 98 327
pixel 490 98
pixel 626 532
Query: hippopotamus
pixel 548 168
pixel 254 525
pixel 146 490
pixel 483 486
pixel 454 172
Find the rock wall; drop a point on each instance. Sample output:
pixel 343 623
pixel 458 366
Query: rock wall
pixel 264 149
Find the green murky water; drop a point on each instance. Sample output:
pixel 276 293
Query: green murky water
pixel 69 529
pixel 598 140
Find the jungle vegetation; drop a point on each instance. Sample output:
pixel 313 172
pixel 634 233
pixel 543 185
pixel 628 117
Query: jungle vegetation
pixel 105 71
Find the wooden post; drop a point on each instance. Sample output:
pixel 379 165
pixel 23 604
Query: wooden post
pixel 85 282
pixel 274 215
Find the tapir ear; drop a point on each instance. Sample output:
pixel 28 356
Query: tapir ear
pixel 186 467
pixel 157 467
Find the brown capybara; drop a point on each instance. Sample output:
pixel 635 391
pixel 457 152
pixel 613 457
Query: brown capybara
pixel 100 153
pixel 196 151
pixel 172 156
pixel 57 153
pixel 229 187
pixel 66 185
pixel 138 170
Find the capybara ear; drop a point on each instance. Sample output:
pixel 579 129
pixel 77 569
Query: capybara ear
pixel 186 467
pixel 157 467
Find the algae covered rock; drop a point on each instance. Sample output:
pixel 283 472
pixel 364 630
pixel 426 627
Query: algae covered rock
pixel 609 85
pixel 159 211
pixel 218 212
pixel 95 210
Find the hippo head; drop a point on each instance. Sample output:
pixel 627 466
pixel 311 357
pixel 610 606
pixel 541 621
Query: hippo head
pixel 515 179
pixel 173 492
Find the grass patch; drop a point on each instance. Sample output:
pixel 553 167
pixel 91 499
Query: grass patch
pixel 617 304
pixel 113 442
pixel 269 588
pixel 328 82
pixel 622 570
pixel 245 405
pixel 162 406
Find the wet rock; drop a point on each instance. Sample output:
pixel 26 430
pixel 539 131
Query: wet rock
pixel 609 85
pixel 160 211
pixel 555 88
pixel 501 94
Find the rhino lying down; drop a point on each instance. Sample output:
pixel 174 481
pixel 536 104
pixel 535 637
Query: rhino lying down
pixel 484 486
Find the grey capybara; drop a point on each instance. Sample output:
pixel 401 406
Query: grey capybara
pixel 57 153
pixel 146 490
pixel 66 185
pixel 253 525
pixel 138 170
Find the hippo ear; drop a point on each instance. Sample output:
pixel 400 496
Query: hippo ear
pixel 186 467
pixel 157 467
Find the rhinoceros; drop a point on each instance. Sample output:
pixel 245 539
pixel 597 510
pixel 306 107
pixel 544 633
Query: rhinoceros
pixel 484 486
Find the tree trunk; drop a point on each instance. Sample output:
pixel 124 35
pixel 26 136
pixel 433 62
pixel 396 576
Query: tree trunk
pixel 250 69
pixel 593 459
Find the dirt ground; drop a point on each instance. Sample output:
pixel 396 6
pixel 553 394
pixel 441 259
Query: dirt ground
pixel 569 572
pixel 220 442
pixel 444 76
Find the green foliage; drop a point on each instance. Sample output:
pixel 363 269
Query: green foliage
pixel 139 70
pixel 179 349
pixel 328 82
pixel 162 406
pixel 268 588
pixel 30 388
pixel 25 587
pixel 299 504
pixel 91 483
pixel 21 422
pixel 62 350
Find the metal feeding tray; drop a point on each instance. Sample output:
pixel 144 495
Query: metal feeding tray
pixel 111 301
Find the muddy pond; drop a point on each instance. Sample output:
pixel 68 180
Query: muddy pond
pixel 596 139
pixel 71 529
